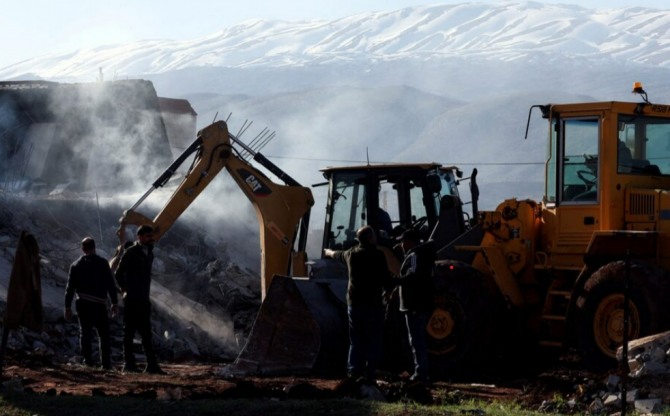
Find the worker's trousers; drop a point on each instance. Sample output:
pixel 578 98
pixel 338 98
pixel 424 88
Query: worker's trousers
pixel 137 318
pixel 416 329
pixel 93 315
pixel 365 340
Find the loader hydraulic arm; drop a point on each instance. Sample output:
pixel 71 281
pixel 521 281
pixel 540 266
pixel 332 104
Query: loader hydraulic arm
pixel 282 210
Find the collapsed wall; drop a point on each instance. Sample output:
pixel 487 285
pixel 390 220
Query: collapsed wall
pixel 87 136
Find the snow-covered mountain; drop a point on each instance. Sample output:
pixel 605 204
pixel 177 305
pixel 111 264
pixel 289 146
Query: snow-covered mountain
pixel 522 31
pixel 445 83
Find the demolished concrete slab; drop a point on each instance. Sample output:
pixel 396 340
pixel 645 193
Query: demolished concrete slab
pixel 87 135
pixel 648 355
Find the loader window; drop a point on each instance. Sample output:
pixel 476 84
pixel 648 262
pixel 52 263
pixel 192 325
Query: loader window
pixel 417 206
pixel 448 187
pixel 644 147
pixel 347 210
pixel 579 167
pixel 388 215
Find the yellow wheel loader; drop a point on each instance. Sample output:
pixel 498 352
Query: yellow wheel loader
pixel 586 267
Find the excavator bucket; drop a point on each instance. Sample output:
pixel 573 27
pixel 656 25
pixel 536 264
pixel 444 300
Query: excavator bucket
pixel 301 328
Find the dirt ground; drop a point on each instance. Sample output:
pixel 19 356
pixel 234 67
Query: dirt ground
pixel 561 388
pixel 197 381
pixel 200 381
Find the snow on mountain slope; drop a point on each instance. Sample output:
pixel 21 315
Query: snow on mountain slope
pixel 510 31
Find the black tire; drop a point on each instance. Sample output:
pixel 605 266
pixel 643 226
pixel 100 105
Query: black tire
pixel 464 328
pixel 600 308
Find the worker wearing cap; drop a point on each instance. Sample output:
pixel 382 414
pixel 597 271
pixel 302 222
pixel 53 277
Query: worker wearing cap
pixel 91 280
pixel 134 278
pixel 416 291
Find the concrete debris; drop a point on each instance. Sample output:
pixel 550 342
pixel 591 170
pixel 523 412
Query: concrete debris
pixel 647 380
pixel 653 406
pixel 612 400
pixel 596 406
pixel 613 382
pixel 648 355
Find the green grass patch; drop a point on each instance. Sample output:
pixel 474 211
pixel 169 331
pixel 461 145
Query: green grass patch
pixel 29 404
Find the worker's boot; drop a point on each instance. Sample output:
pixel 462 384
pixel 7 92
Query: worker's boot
pixel 130 366
pixel 152 364
pixel 154 369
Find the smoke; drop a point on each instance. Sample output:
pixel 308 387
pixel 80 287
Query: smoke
pixel 192 314
pixel 327 127
pixel 110 139
pixel 110 136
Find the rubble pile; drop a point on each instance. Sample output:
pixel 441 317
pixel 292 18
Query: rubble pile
pixel 648 355
pixel 204 303
pixel 644 379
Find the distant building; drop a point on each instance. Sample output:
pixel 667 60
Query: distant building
pixel 105 135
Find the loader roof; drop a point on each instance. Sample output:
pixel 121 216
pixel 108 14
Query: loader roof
pixel 617 106
pixel 388 166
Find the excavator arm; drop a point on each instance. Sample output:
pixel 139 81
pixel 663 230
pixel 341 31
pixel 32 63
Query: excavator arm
pixel 282 210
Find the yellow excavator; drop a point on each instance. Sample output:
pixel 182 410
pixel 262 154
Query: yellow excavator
pixel 301 326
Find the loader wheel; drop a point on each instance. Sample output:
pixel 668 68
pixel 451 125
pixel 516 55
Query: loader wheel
pixel 599 319
pixel 467 319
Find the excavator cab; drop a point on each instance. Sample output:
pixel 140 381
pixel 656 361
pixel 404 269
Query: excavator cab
pixel 390 198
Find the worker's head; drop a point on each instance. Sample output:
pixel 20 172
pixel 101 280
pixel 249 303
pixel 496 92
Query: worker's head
pixel 366 235
pixel 88 245
pixel 409 239
pixel 145 235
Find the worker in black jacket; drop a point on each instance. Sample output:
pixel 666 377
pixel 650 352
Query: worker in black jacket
pixel 134 279
pixel 416 292
pixel 91 280
pixel 368 277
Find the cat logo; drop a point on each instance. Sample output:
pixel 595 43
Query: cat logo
pixel 257 187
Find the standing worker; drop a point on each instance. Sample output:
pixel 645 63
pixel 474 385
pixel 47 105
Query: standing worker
pixel 416 289
pixel 92 281
pixel 134 278
pixel 368 275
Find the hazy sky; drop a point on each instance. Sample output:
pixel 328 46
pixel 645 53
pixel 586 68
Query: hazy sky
pixel 40 27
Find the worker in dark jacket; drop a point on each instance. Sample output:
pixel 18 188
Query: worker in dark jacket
pixel 416 292
pixel 91 280
pixel 368 276
pixel 134 279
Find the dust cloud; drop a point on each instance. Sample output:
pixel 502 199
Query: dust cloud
pixel 104 145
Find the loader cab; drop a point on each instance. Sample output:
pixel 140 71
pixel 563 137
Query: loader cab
pixel 390 198
pixel 602 157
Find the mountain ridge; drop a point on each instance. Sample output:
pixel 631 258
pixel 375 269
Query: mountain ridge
pixel 508 32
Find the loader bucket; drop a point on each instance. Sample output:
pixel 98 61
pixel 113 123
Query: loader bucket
pixel 301 328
